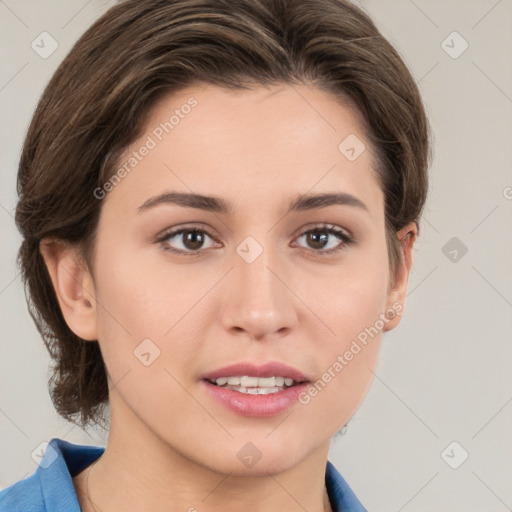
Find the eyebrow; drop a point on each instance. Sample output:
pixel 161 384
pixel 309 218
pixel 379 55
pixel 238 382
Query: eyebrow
pixel 218 205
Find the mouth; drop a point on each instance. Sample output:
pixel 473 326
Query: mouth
pixel 257 390
pixel 252 385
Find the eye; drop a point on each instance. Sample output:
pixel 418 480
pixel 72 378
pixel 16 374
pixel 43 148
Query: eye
pixel 190 240
pixel 326 239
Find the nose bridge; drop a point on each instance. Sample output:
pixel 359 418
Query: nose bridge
pixel 253 268
pixel 258 302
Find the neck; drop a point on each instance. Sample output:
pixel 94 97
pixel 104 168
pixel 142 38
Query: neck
pixel 138 471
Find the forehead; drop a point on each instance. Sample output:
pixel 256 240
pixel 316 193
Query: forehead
pixel 246 146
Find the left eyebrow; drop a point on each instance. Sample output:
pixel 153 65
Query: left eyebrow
pixel 313 201
pixel 218 205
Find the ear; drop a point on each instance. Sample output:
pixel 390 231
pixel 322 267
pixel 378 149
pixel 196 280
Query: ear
pixel 73 285
pixel 398 290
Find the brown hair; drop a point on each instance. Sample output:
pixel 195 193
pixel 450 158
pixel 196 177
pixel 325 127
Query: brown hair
pixel 96 102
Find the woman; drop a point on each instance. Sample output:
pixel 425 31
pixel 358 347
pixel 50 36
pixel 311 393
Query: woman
pixel 219 203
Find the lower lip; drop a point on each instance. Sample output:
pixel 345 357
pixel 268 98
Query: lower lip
pixel 258 406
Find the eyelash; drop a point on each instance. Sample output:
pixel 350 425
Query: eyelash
pixel 346 239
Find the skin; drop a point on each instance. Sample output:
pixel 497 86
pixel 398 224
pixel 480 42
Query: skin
pixel 171 447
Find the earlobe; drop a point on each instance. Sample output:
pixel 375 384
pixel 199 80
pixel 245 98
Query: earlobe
pixel 73 285
pixel 398 292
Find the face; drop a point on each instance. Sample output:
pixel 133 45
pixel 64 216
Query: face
pixel 259 282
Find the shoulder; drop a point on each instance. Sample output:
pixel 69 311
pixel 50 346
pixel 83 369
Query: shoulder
pixel 51 488
pixel 23 495
pixel 342 497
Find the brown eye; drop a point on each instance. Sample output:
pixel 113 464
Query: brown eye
pixel 326 239
pixel 317 239
pixel 188 241
pixel 193 240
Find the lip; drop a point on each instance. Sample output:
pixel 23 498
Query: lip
pixel 268 369
pixel 256 406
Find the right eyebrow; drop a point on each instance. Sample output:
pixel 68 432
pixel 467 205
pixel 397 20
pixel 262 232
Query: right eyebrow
pixel 213 204
pixel 216 204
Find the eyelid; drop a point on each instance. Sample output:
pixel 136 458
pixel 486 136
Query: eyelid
pixel 186 227
pixel 326 226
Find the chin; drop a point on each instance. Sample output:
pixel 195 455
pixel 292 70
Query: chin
pixel 258 456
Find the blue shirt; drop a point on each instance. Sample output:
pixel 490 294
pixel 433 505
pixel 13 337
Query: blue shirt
pixel 50 488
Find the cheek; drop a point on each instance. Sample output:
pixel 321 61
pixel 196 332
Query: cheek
pixel 140 301
pixel 347 358
pixel 141 296
pixel 351 296
pixel 352 303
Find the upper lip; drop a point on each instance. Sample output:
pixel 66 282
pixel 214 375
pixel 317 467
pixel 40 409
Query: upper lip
pixel 268 369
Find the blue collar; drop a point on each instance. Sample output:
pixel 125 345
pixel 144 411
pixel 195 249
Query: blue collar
pixel 50 488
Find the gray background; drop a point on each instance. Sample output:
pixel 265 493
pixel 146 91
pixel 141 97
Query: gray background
pixel 445 373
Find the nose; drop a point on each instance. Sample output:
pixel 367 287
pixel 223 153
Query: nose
pixel 258 303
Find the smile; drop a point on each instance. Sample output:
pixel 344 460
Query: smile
pixel 254 385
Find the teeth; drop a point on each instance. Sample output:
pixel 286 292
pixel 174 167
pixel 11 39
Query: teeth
pixel 258 391
pixel 267 382
pixel 255 385
pixel 248 382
